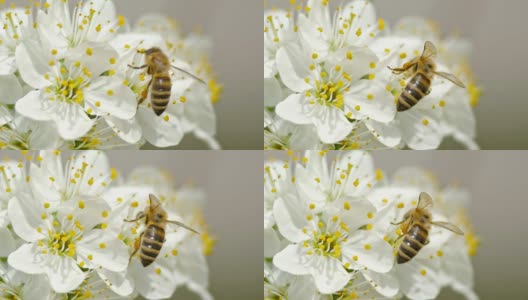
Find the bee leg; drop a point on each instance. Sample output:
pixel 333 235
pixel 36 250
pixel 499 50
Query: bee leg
pixel 399 222
pixel 399 238
pixel 144 93
pixel 138 68
pixel 136 247
pixel 428 92
pixel 139 216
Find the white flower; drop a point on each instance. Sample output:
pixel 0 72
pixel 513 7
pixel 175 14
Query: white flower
pixel 24 134
pixel 71 92
pixel 17 26
pixel 91 22
pixel 281 134
pixel 18 285
pixel 335 227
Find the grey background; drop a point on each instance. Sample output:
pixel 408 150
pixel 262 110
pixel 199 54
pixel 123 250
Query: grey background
pixel 235 28
pixel 497 182
pixel 232 181
pixel 498 32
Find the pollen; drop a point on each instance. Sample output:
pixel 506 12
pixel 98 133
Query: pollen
pixel 121 20
pixel 312 206
pixel 425 122
pixel 166 118
pixel 54 52
pixel 89 51
pixel 372 65
pixel 442 103
pixel 102 245
pixel 46 205
pixel 423 272
pixel 183 99
pixel 400 205
pixel 370 96
pixel 90 257
pixel 439 253
pixel 134 204
pixel 110 92
pixel 370 215
pixel 349 55
pixel 44 216
pixel 315 55
pixel 346 205
pixel 368 247
pixel 403 55
pixel 81 204
pixel 174 252
pixel 158 271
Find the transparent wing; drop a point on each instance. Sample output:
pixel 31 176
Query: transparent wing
pixel 190 75
pixel 425 201
pixel 451 78
pixel 429 50
pixel 154 201
pixel 183 225
pixel 450 227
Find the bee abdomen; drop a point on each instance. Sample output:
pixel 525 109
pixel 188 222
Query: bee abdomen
pixel 412 243
pixel 151 244
pixel 413 92
pixel 160 93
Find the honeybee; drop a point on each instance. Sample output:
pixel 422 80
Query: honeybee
pixel 423 69
pixel 158 65
pixel 152 238
pixel 415 226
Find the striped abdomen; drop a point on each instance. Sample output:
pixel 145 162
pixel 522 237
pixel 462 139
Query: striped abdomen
pixel 160 92
pixel 413 241
pixel 415 90
pixel 151 244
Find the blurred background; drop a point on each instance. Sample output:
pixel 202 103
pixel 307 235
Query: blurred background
pixel 498 34
pixel 497 182
pixel 236 58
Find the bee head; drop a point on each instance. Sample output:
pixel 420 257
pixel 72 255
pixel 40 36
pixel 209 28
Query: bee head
pixel 152 50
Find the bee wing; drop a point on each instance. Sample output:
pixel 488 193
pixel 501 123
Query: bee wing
pixel 425 201
pixel 182 225
pixel 189 74
pixel 451 78
pixel 429 50
pixel 154 201
pixel 450 227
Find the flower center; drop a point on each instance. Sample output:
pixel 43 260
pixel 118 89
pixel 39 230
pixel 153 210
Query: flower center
pixel 61 240
pixel 68 89
pixel 329 93
pixel 327 237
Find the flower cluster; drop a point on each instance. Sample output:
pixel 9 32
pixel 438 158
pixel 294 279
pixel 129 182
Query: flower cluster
pixel 327 84
pixel 66 80
pixel 64 234
pixel 330 233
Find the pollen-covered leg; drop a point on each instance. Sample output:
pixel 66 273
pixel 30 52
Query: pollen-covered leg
pixel 137 243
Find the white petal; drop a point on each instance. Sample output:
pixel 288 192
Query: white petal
pixel 5 115
pixel 128 130
pixel 157 131
pixel 373 101
pixel 377 257
pixel 32 64
pixel 72 121
pixel 113 257
pixel 120 283
pixel 415 285
pixel 10 89
pixel 272 92
pixel 290 215
pixel 8 242
pixel 97 62
pixel 272 243
pixel 292 109
pixel 37 288
pixel 31 106
pixel 293 65
pixel 27 259
pixel 64 274
pixel 120 102
pixel 420 129
pixel 331 124
pixel 388 134
pixel 329 275
pixel 151 285
pixel 384 283
pixel 293 260
pixel 27 212
pixel 47 179
pixel 308 31
pixel 51 35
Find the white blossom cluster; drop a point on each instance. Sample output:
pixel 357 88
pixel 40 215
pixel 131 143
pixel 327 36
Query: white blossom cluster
pixel 63 234
pixel 328 232
pixel 327 84
pixel 65 80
